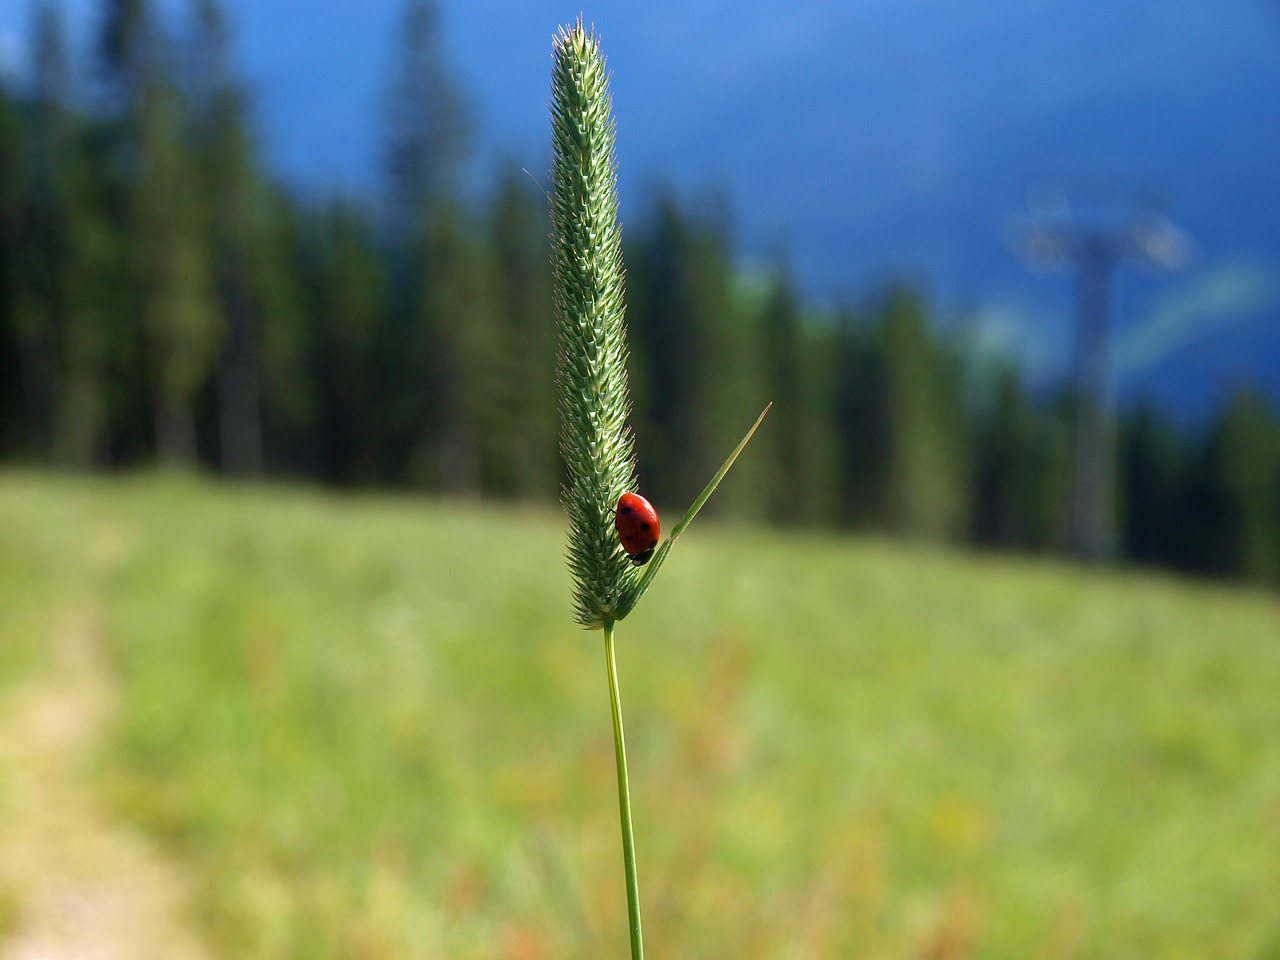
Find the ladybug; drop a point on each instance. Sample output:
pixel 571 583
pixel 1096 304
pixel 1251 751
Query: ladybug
pixel 637 524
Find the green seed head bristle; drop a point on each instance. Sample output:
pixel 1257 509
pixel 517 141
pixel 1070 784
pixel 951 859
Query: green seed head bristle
pixel 591 371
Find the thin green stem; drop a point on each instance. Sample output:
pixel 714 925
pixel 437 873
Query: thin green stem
pixel 624 798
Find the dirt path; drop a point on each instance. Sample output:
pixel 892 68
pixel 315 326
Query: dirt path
pixel 75 884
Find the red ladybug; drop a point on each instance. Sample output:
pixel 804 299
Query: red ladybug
pixel 637 524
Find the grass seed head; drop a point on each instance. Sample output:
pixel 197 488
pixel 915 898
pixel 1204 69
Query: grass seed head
pixel 591 370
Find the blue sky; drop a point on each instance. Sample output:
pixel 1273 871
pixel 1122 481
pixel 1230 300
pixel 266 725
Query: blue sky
pixel 857 139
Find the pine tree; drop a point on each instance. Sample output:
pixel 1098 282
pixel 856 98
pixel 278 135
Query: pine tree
pixel 428 133
pixel 1058 446
pixel 13 168
pixel 457 305
pixel 730 377
pixel 860 398
pixel 1248 468
pixel 1008 472
pixel 521 420
pixel 667 356
pixel 1152 475
pixel 128 56
pixel 44 249
pixel 288 396
pixel 76 252
pixel 799 371
pixel 174 306
pixel 235 198
pixel 433 438
pixel 181 318
pixel 928 457
pixel 780 327
pixel 344 284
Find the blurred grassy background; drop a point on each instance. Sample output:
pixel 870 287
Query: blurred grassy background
pixel 365 727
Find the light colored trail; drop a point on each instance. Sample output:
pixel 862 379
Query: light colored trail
pixel 76 884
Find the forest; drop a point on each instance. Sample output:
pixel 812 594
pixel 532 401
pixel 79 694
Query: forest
pixel 164 299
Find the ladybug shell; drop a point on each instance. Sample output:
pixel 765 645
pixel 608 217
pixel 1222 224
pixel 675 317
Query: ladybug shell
pixel 638 528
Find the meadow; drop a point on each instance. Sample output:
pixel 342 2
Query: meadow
pixel 366 726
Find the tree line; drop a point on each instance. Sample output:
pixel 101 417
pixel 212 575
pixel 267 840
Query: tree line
pixel 162 298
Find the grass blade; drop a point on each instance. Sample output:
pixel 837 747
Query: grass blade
pixel 660 556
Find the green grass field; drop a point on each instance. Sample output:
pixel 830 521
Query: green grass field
pixel 367 727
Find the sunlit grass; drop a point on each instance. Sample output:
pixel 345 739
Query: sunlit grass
pixel 364 727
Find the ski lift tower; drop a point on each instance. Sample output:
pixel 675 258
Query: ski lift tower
pixel 1093 239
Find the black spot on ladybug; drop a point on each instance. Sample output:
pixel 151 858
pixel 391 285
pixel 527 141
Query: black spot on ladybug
pixel 624 511
pixel 644 526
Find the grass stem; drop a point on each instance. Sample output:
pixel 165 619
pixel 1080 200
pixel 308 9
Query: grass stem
pixel 624 798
